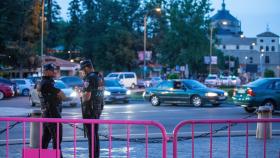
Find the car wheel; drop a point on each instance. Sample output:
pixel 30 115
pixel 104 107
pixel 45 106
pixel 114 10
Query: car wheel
pixel 2 96
pixel 196 101
pixel 155 100
pixel 25 92
pixel 132 86
pixel 249 109
pixel 217 104
pixel 270 104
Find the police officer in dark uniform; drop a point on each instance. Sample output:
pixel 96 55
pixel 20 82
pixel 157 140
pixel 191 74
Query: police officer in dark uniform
pixel 51 99
pixel 92 103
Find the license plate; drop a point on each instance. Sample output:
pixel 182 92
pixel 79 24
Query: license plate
pixel 222 97
pixel 241 91
pixel 119 97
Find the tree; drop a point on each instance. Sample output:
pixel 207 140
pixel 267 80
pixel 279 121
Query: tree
pixel 73 31
pixel 269 73
pixel 186 40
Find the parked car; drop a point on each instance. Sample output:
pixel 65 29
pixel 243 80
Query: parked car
pixel 262 92
pixel 72 81
pixel 212 80
pixel 24 86
pixel 127 79
pixel 235 81
pixel 6 91
pixel 10 83
pixel 114 91
pixel 148 82
pixel 143 83
pixel 72 97
pixel 34 79
pixel 184 91
pixel 225 80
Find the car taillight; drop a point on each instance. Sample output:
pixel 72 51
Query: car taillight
pixel 250 92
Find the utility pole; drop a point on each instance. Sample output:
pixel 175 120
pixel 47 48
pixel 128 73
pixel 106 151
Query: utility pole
pixel 42 34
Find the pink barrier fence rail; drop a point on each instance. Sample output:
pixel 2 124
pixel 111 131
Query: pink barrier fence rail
pixel 74 122
pixel 210 123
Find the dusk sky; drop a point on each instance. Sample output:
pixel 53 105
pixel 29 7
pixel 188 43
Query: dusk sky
pixel 254 15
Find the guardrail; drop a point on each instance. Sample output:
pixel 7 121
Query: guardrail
pixel 229 124
pixel 74 122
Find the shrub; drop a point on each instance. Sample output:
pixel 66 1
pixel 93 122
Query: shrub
pixel 269 73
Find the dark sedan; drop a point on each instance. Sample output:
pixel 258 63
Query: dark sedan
pixel 114 91
pixel 262 92
pixel 184 91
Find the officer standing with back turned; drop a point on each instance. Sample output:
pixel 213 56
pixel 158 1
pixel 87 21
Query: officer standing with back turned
pixel 51 99
pixel 92 103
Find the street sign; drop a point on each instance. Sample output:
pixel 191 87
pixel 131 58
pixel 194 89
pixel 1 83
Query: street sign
pixel 148 55
pixel 212 60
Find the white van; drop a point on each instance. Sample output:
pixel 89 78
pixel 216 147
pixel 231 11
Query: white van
pixel 128 79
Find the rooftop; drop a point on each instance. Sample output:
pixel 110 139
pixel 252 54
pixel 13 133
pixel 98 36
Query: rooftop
pixel 267 34
pixel 237 40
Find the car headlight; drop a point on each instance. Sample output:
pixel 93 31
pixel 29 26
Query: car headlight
pixel 226 94
pixel 128 92
pixel 73 94
pixel 107 93
pixel 211 94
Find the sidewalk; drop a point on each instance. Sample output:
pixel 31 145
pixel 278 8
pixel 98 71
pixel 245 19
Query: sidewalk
pixel 137 150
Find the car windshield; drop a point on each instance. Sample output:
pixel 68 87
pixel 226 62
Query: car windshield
pixel 257 82
pixel 60 85
pixel 113 75
pixel 195 84
pixel 211 77
pixel 112 83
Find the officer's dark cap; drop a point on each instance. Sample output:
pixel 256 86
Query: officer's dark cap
pixel 50 67
pixel 86 63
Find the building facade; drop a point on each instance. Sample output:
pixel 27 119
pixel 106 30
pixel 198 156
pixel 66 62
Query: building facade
pixel 255 54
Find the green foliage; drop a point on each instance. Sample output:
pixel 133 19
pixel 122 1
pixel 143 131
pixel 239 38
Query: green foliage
pixel 172 76
pixel 269 73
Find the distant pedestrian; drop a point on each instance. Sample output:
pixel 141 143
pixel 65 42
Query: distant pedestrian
pixel 92 103
pixel 51 100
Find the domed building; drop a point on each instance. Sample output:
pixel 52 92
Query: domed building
pixel 255 54
pixel 226 24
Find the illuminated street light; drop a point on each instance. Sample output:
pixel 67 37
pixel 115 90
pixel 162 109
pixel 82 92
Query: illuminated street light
pixel 242 36
pixel 224 22
pixel 145 38
pixel 253 44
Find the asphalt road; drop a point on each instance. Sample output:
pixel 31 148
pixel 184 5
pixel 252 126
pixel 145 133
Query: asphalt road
pixel 168 115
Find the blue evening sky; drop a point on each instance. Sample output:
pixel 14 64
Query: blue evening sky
pixel 255 15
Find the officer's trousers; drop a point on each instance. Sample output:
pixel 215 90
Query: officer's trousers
pixel 50 132
pixel 96 138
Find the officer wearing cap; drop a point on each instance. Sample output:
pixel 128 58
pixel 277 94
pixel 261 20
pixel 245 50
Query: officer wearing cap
pixel 92 103
pixel 51 99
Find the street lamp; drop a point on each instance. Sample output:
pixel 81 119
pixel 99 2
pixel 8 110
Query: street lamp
pixel 246 58
pixel 42 34
pixel 211 43
pixel 261 66
pixel 145 38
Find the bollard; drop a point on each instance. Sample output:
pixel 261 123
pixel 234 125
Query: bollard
pixel 35 130
pixel 264 112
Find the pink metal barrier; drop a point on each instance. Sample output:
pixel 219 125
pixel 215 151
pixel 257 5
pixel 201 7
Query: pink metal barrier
pixel 56 152
pixel 229 123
